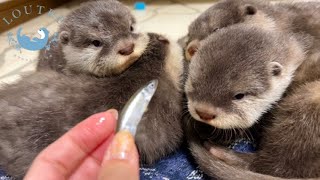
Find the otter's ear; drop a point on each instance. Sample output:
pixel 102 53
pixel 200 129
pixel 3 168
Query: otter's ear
pixel 163 39
pixel 183 41
pixel 192 48
pixel 250 10
pixel 64 37
pixel 275 68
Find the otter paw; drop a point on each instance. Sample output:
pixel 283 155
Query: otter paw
pixel 228 156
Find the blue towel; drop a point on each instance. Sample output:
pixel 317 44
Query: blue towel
pixel 179 165
pixel 3 175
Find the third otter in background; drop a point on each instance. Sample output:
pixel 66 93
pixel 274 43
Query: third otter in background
pixel 302 19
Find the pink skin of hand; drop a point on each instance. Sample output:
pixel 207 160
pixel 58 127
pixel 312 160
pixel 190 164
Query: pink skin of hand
pixel 79 153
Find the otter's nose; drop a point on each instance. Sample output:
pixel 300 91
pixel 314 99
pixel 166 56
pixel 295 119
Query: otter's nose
pixel 127 50
pixel 205 115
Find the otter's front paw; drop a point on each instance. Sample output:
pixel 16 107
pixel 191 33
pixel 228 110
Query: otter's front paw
pixel 229 156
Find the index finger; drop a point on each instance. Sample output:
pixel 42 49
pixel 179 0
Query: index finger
pixel 62 157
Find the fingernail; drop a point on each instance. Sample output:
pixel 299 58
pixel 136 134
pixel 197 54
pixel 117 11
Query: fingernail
pixel 114 113
pixel 122 147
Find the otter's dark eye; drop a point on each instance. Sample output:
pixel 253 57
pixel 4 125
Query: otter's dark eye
pixel 216 29
pixel 239 96
pixel 131 28
pixel 97 43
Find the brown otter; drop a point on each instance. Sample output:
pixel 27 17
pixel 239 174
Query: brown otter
pixel 235 77
pixel 98 38
pixel 42 106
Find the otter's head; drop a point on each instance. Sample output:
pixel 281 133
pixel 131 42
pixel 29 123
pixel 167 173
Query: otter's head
pixel 223 14
pixel 238 73
pixel 99 38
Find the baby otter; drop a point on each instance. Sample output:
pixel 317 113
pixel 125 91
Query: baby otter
pixel 240 68
pixel 41 107
pixel 300 18
pixel 218 16
pixel 235 77
pixel 98 39
pixel 290 145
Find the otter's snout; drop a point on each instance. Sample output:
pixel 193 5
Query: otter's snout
pixel 204 112
pixel 127 49
pixel 205 115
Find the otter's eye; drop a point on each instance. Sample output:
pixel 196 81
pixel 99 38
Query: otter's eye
pixel 131 28
pixel 239 96
pixel 97 43
pixel 216 29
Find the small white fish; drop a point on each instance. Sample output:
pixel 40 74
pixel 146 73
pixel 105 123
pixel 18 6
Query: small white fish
pixel 133 111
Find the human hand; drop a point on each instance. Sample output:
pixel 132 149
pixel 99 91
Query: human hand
pixel 89 151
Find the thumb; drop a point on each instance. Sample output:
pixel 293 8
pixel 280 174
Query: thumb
pixel 121 160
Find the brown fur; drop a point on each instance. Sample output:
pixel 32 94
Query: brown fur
pixel 108 22
pixel 228 53
pixel 300 18
pixel 215 167
pixel 241 59
pixel 290 141
pixel 291 145
pixel 42 106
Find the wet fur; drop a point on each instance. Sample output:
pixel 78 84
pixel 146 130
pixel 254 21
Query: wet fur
pixel 43 106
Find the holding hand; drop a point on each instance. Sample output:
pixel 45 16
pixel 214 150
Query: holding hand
pixel 90 150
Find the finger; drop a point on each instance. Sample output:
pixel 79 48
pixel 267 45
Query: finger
pixel 90 167
pixel 119 170
pixel 63 156
pixel 121 160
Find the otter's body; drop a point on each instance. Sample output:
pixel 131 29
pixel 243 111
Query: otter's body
pixel 227 89
pixel 290 146
pixel 42 106
pixel 301 20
